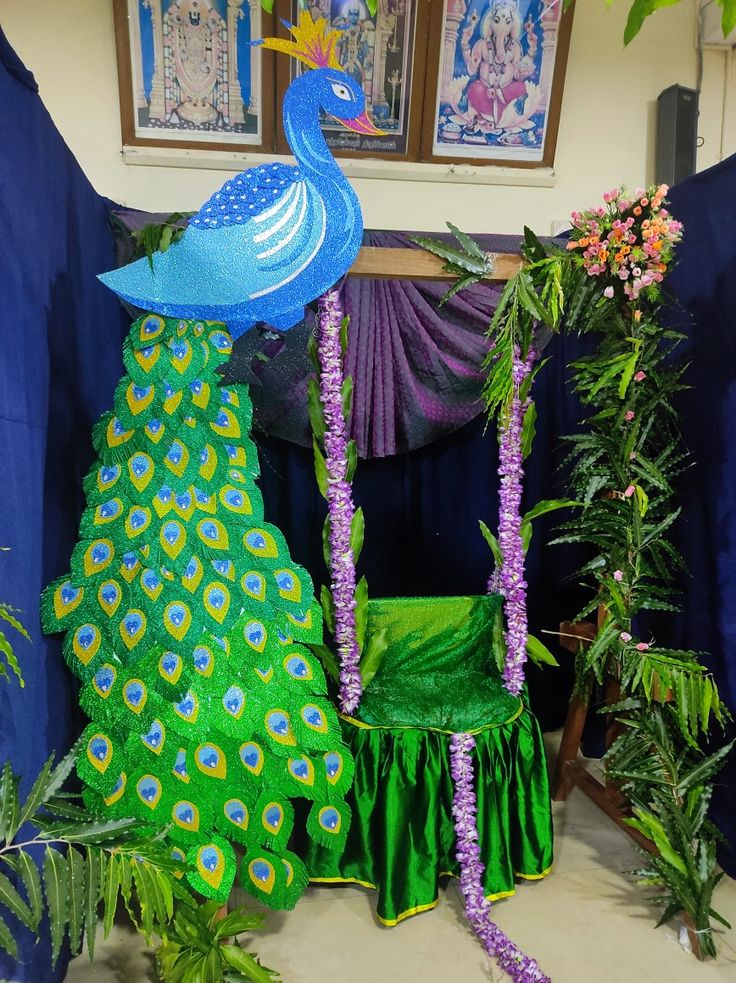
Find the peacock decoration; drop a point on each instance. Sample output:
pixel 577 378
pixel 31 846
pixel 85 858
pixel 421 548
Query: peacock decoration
pixel 185 617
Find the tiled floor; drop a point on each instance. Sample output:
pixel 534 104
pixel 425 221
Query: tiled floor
pixel 585 923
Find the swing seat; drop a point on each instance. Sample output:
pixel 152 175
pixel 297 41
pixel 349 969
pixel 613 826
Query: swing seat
pixel 438 677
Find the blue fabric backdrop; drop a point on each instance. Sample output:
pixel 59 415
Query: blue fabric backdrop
pixel 59 363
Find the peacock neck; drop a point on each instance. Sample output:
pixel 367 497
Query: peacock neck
pixel 304 136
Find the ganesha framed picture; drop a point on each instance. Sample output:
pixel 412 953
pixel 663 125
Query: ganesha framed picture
pixel 494 89
pixel 190 77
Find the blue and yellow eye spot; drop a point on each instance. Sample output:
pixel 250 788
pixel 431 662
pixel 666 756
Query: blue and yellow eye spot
pixel 298 668
pixel 278 726
pixel 67 598
pixel 334 765
pixel 147 356
pixel 151 327
pixel 181 352
pixel 237 812
pixel 265 675
pixel 302 770
pixel 140 470
pixel 301 620
pixel 184 505
pixel 207 461
pixel 211 864
pixel 107 476
pixel 260 543
pixel 221 341
pixel 180 766
pixel 200 393
pixel 151 584
pixel 118 790
pixel 213 534
pixel 186 815
pixel 171 403
pixel 138 397
pixel 148 790
pixel 236 454
pixel 99 752
pixel 137 521
pixel 329 819
pixel 99 554
pixel 177 458
pixel 314 718
pixel 255 635
pixel 130 566
pixel 272 818
pixel 86 642
pixel 289 871
pixel 217 600
pixel 230 397
pixel 235 500
pixel 169 667
pixel 172 537
pixel 156 737
pixel 116 434
pixel 177 619
pixel 108 511
pixel 226 424
pixel 204 660
pixel 251 755
pixel 178 854
pixel 289 585
pixel 211 760
pixel 132 628
pixel 193 574
pixel 234 702
pixel 109 596
pixel 135 695
pixel 104 680
pixel 262 874
pixel 254 585
pixel 188 708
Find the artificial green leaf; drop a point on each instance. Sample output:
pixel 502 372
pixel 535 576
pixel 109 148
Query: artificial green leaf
pixel 539 653
pixel 7 650
pixel 361 611
pixel 246 964
pixel 9 805
pixel 530 300
pixel 326 548
pixel 25 867
pixel 344 327
pixel 352 459
pixel 7 940
pixel 236 922
pixel 320 468
pixel 14 903
pixel 357 533
pixel 77 896
pixel 328 608
pixel 628 374
pixel 493 543
pixel 95 865
pixel 6 615
pixel 315 409
pixel 56 884
pixel 372 658
pixel 166 236
pixel 528 430
pixel 469 245
pixel 499 641
pixel 347 397
pixel 327 657
pixel 110 891
pixel 38 793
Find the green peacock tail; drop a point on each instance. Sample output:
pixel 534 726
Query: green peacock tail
pixel 183 615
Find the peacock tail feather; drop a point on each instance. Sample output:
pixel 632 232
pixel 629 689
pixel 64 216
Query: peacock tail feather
pixel 186 620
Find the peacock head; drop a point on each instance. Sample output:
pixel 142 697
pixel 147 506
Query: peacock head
pixel 337 92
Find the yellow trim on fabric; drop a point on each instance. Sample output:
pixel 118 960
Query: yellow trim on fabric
pixel 392 922
pixel 342 880
pixel 437 730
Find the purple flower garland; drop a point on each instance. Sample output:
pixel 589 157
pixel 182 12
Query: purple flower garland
pixel 339 497
pixel 509 957
pixel 509 580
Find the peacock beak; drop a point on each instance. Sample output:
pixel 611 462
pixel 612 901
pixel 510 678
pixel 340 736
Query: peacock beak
pixel 361 124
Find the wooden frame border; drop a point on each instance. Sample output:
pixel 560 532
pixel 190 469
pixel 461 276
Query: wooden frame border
pixel 127 109
pixel 416 100
pixel 430 97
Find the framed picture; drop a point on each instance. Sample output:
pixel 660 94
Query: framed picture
pixel 386 53
pixel 189 76
pixel 494 81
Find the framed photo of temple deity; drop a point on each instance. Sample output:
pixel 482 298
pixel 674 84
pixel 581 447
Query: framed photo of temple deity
pixel 189 76
pixel 495 75
pixel 386 53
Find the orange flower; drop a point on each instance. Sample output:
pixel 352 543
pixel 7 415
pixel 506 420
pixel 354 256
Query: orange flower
pixel 603 255
pixel 636 210
pixel 626 250
pixel 619 256
pixel 645 201
pixel 637 315
pixel 585 241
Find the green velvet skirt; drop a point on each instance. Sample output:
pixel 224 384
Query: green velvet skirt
pixel 438 677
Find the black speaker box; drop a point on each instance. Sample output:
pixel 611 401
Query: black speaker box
pixel 677 134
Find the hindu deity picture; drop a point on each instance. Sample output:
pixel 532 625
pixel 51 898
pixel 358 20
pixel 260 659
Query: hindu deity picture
pixel 195 75
pixel 378 51
pixel 496 79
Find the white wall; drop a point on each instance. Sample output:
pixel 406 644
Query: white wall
pixel 606 133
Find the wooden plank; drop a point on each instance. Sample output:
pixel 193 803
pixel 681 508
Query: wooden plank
pixel 388 263
pixel 572 734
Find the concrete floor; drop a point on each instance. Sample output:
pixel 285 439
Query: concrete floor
pixel 585 923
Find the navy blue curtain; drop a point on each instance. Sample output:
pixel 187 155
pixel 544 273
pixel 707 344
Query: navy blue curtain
pixel 59 362
pixel 704 283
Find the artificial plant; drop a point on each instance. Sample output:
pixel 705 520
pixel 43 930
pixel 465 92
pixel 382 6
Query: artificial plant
pixel 641 9
pixel 624 466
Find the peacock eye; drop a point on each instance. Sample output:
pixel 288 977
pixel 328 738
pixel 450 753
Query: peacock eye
pixel 342 91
